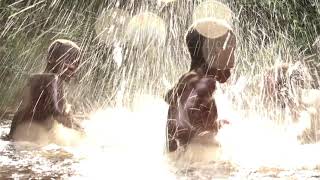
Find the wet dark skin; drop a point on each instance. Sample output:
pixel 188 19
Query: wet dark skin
pixel 43 97
pixel 192 108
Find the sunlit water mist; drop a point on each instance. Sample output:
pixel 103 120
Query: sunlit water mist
pixel 129 144
pixel 253 141
pixel 122 143
pixel 134 141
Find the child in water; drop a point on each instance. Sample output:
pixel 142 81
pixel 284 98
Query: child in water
pixel 43 100
pixel 192 107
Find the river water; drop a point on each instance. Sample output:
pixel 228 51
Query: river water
pixel 129 144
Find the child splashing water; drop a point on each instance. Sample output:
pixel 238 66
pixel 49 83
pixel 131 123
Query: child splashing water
pixel 43 102
pixel 192 108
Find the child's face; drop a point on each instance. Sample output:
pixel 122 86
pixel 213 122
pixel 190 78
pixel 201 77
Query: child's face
pixel 68 69
pixel 65 61
pixel 219 52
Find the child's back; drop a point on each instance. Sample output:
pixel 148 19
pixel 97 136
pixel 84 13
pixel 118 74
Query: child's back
pixel 43 100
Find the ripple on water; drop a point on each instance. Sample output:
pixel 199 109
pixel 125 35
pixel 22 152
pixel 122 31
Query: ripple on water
pixel 26 160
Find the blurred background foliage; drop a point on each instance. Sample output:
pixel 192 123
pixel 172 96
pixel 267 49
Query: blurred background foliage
pixel 266 30
pixel 298 19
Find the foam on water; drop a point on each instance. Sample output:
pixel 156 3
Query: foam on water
pixel 126 144
pixel 122 144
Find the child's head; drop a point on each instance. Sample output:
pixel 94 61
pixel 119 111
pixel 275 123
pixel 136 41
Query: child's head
pixel 214 52
pixel 63 58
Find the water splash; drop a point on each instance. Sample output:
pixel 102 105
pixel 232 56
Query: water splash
pixel 134 140
pixel 127 142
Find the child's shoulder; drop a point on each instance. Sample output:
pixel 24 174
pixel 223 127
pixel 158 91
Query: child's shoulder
pixel 42 79
pixel 189 75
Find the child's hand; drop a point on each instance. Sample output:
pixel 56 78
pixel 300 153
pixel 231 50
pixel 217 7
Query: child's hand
pixel 67 109
pixel 222 123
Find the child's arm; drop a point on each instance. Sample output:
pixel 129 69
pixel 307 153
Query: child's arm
pixel 61 113
pixel 45 87
pixel 53 95
pixel 68 119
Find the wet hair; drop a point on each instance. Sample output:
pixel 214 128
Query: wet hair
pixel 63 50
